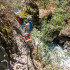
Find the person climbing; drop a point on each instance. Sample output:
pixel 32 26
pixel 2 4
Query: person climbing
pixel 29 26
pixel 21 21
pixel 29 43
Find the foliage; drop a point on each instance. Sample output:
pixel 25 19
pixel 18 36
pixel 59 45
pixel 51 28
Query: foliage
pixel 56 23
pixel 43 3
pixel 30 10
pixel 63 4
pixel 59 10
pixel 45 31
pixel 8 30
pixel 35 34
pixel 23 13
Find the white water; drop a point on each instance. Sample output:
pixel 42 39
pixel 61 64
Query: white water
pixel 58 55
pixel 63 59
pixel 38 42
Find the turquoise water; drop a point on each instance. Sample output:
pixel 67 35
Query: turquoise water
pixel 53 44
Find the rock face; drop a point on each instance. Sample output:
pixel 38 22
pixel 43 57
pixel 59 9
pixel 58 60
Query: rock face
pixel 66 33
pixel 66 29
pixel 3 56
pixel 23 61
pixel 7 43
pixel 67 45
pixel 49 8
pixel 11 44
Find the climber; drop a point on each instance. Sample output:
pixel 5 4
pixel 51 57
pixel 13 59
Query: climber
pixel 21 21
pixel 29 26
pixel 29 43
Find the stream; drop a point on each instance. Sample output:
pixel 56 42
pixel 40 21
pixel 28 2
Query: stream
pixel 56 52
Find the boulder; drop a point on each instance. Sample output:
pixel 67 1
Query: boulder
pixel 49 8
pixel 67 45
pixel 66 29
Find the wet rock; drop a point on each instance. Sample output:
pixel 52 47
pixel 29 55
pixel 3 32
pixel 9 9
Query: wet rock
pixel 67 45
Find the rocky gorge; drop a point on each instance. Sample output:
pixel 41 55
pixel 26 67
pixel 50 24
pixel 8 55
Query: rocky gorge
pixel 11 44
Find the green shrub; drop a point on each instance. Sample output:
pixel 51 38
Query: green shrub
pixel 35 34
pixel 55 24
